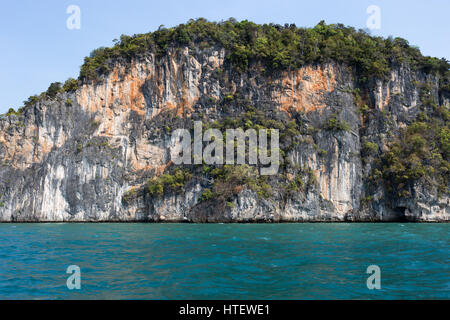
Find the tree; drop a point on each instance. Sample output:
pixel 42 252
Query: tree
pixel 53 90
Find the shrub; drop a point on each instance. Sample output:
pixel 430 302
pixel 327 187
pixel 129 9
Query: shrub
pixel 296 184
pixel 322 153
pixel 70 85
pixel 53 90
pixel 229 181
pixel 206 195
pixel 334 124
pixel 11 111
pixel 231 205
pixel 31 101
pixel 370 148
pixel 129 195
pixel 168 182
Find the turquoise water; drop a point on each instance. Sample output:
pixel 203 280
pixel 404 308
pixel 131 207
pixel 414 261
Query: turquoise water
pixel 224 261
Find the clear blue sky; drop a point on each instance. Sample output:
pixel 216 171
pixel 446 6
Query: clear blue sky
pixel 37 48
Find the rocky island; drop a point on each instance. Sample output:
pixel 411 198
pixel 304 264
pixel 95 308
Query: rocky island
pixel 363 122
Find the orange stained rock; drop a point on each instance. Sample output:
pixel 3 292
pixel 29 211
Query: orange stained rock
pixel 302 89
pixel 159 170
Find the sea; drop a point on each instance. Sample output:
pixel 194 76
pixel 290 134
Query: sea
pixel 225 261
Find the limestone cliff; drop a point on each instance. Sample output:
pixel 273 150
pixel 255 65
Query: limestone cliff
pixel 91 154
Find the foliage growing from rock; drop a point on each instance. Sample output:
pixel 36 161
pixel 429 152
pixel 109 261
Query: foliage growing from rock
pixel 53 90
pixel 11 111
pixel 334 124
pixel 168 182
pixel 206 195
pixel 369 148
pixel 129 195
pixel 421 151
pixel 273 46
pixel 230 180
pixel 70 85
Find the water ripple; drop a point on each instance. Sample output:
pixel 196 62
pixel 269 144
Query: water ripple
pixel 221 261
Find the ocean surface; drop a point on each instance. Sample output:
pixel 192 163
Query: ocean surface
pixel 224 261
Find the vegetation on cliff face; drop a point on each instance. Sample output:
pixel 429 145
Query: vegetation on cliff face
pixel 71 85
pixel 168 182
pixel 272 47
pixel 275 47
pixel 334 124
pixel 417 152
pixel 421 151
pixel 224 182
pixel 230 180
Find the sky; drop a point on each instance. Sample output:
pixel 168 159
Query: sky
pixel 37 47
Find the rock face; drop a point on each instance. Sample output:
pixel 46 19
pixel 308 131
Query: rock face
pixel 77 156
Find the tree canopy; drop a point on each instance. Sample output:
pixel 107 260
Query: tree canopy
pixel 274 46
